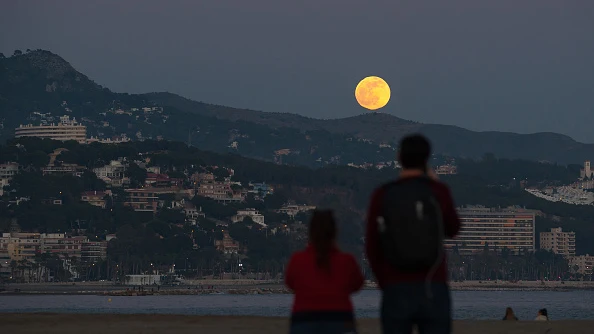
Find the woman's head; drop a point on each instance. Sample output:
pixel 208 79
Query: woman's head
pixel 322 235
pixel 543 312
pixel 509 311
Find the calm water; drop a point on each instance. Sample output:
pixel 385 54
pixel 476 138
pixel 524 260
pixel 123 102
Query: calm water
pixel 467 304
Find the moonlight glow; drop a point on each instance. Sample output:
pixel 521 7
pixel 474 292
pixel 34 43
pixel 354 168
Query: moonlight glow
pixel 372 93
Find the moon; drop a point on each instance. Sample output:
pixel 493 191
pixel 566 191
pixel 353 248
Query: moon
pixel 372 93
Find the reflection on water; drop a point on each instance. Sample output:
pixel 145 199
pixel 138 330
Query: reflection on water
pixel 467 304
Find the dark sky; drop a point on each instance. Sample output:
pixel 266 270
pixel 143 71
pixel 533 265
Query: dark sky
pixel 510 65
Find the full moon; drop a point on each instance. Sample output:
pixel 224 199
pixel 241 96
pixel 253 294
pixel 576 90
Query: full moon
pixel 372 93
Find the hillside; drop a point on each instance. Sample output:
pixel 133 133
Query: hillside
pixel 344 189
pixel 385 128
pixel 37 84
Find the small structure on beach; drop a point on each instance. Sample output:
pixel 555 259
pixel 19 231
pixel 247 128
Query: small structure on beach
pixel 143 279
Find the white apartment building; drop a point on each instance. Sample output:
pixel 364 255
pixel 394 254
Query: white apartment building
pixel 7 172
pixel 67 129
pixel 256 216
pixel 558 242
pixel 584 264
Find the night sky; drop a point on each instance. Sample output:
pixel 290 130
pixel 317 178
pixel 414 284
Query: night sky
pixel 509 65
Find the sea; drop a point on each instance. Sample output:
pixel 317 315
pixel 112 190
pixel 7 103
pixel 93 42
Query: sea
pixel 475 305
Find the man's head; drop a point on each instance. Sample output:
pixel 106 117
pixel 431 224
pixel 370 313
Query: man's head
pixel 414 152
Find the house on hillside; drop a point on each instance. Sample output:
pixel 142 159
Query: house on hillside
pixel 227 245
pixel 293 209
pixel 96 198
pixel 192 213
pixel 162 180
pixel 261 189
pixel 256 216
pixel 207 186
pixel 144 199
pixel 446 170
pixel 113 174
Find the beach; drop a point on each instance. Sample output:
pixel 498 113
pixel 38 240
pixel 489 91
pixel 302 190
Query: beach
pixel 196 287
pixel 178 324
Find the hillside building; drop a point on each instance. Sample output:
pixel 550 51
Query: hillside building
pixel 586 171
pixel 293 209
pixel 558 242
pixel 94 197
pixel 495 228
pixel 7 172
pixel 67 129
pixel 256 216
pixel 19 246
pixel 144 199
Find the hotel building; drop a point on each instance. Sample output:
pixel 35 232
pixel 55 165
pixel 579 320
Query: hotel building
pixel 496 228
pixel 67 129
pixel 558 242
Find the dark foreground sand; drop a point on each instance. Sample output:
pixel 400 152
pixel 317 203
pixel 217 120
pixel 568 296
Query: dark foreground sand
pixel 134 324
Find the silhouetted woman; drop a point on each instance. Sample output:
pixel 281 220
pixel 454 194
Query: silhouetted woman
pixel 322 278
pixel 509 314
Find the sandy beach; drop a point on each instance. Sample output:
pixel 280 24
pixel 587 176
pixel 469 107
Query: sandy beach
pixel 261 287
pixel 136 324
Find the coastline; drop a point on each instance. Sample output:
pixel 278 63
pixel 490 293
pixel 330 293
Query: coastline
pixel 179 324
pixel 246 287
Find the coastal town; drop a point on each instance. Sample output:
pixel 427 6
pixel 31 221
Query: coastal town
pixel 145 186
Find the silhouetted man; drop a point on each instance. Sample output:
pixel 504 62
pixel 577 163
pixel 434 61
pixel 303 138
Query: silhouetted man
pixel 406 224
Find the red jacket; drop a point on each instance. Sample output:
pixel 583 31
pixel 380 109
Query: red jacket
pixel 319 290
pixel 384 272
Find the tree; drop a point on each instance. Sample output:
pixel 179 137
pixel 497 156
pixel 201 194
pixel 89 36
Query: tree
pixel 137 175
pixel 220 174
pixel 17 52
pixel 275 201
pixel 239 232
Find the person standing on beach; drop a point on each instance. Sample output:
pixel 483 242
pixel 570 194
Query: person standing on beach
pixel 322 277
pixel 509 314
pixel 407 221
pixel 542 315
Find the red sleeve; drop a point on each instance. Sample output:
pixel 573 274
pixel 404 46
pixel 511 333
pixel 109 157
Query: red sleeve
pixel 450 215
pixel 374 256
pixel 356 277
pixel 290 274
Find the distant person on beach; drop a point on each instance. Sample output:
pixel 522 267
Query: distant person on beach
pixel 406 224
pixel 542 315
pixel 509 314
pixel 322 277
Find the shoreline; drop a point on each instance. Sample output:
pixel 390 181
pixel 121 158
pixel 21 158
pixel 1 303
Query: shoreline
pixel 256 288
pixel 182 324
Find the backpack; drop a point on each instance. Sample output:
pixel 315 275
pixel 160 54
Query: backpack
pixel 410 225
